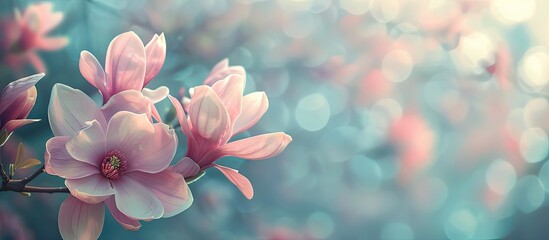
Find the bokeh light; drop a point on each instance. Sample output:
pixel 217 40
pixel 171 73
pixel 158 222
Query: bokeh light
pixel 423 119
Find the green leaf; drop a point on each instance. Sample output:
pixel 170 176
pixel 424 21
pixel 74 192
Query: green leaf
pixel 12 170
pixel 27 163
pixel 19 154
pixel 26 194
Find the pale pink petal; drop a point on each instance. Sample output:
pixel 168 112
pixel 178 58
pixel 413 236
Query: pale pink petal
pixel 208 116
pixel 181 116
pixel 59 162
pixel 184 123
pixel 79 220
pixel 230 92
pixel 88 145
pixel 186 103
pixel 131 101
pixel 128 132
pixel 15 124
pixel 92 71
pixel 52 43
pixel 92 189
pixel 212 78
pixel 30 22
pixel 157 152
pixel 126 222
pixel 17 88
pixel 47 18
pixel 191 91
pixel 155 52
pixel 28 103
pixel 36 61
pixel 221 70
pixel 241 182
pixel 252 148
pixel 30 12
pixel 135 200
pixel 154 112
pixel 70 109
pixel 220 66
pixel 125 63
pixel 148 148
pixel 186 167
pixel 156 95
pixel 20 107
pixel 168 186
pixel 254 105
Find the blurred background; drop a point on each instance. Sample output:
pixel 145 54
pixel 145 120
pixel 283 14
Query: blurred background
pixel 411 119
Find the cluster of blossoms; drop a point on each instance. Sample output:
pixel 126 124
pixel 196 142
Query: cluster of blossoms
pixel 118 154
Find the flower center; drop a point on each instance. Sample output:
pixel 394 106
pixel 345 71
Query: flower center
pixel 113 165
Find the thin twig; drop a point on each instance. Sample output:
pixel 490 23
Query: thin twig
pixel 33 176
pixel 33 189
pixel 20 186
pixel 3 173
pixel 5 178
pixel 9 185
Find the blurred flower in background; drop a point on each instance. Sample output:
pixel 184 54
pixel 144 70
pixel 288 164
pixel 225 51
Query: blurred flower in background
pixel 27 32
pixel 420 119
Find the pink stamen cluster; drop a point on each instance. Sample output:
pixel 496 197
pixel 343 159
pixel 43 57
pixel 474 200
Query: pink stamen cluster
pixel 114 165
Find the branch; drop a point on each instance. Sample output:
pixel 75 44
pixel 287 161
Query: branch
pixel 21 185
pixel 33 189
pixel 3 173
pixel 16 186
pixel 33 176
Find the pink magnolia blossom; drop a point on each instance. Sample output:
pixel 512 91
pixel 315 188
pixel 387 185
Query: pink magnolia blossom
pixel 17 100
pixel 128 65
pixel 220 71
pixel 112 156
pixel 28 33
pixel 215 115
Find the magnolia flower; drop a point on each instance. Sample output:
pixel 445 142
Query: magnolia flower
pixel 28 33
pixel 220 71
pixel 128 65
pixel 218 113
pixel 112 156
pixel 17 100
